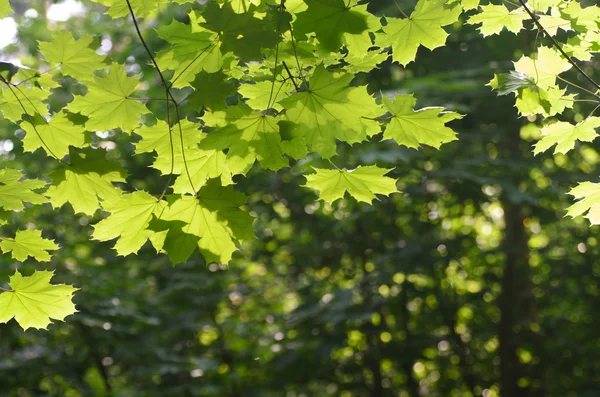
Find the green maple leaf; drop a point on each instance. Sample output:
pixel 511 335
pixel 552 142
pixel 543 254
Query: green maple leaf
pixel 242 6
pixel 494 18
pixel 130 215
pixel 28 243
pixel 423 28
pixel 264 94
pixel 330 20
pixel 564 135
pixel 5 9
pixel 75 57
pixel 547 102
pixel 469 4
pixel 189 53
pixel 363 183
pixel 584 17
pixel 248 135
pixel 211 90
pixel 54 136
pixel 330 109
pixel 16 101
pixel 414 128
pixel 141 8
pixel 166 142
pixel 33 301
pixel 14 192
pixel 107 102
pixel 202 165
pixel 588 194
pixel 554 21
pixel 88 179
pixel 542 5
pixel 242 34
pixel 544 69
pixel 213 222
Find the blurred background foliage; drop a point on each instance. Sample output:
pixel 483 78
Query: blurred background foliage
pixel 467 282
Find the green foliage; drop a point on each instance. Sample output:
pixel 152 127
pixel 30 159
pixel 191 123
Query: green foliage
pixel 242 87
pixel 5 9
pixel 414 294
pixel 33 301
pixel 242 84
pixel 362 183
pixel 494 18
pixel 28 243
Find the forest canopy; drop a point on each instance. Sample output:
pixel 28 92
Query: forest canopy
pixel 324 197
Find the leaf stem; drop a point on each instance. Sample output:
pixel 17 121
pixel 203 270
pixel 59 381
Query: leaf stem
pixel 334 166
pixel 149 99
pixel 290 74
pixel 576 86
pixel 400 8
pixel 6 290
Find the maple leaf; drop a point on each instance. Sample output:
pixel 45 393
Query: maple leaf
pixel 264 94
pixel 166 142
pixel 242 34
pixel 542 5
pixel 547 102
pixel 469 4
pixel 363 183
pixel 16 101
pixel 494 18
pixel 422 28
pixel 564 135
pixel 242 6
pixel 554 21
pixel 414 128
pixel 584 17
pixel 189 53
pixel 202 165
pixel 28 243
pixel 213 222
pixel 249 135
pixel 141 8
pixel 54 136
pixel 14 192
pixel 331 110
pixel 75 57
pixel 211 90
pixel 130 215
pixel 107 102
pixel 545 68
pixel 588 194
pixel 88 178
pixel 33 301
pixel 330 20
pixel 5 9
